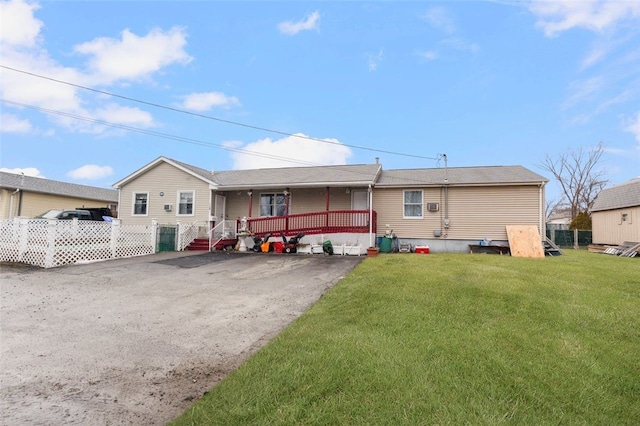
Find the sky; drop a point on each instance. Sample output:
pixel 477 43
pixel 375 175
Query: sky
pixel 91 91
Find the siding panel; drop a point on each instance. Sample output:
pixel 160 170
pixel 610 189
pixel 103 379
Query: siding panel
pixel 168 180
pixel 474 212
pixel 609 229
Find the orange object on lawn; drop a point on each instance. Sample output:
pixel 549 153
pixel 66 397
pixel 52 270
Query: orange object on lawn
pixel 422 249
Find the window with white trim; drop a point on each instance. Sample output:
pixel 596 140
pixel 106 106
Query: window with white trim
pixel 412 205
pixel 185 203
pixel 140 203
pixel 273 204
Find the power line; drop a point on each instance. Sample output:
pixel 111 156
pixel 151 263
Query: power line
pixel 208 117
pixel 157 134
pixel 187 140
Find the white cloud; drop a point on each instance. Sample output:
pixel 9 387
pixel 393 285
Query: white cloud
pixel 27 171
pixel 10 123
pixel 374 60
pixel 207 100
pixel 297 148
pixel 91 172
pixel 633 127
pixel 132 57
pixel 19 27
pixel 310 22
pixel 583 90
pixel 557 16
pixel 115 113
pixel 129 58
pixel 439 18
pixel 429 55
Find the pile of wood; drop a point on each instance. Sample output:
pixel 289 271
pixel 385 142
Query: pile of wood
pixel 626 249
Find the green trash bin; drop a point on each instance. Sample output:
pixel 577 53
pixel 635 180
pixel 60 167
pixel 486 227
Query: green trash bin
pixel 385 245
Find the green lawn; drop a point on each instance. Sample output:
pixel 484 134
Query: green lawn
pixel 451 339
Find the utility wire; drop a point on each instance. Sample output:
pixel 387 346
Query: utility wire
pixel 208 117
pixel 185 139
pixel 157 134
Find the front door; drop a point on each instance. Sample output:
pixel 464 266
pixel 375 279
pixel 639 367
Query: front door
pixel 219 207
pixel 360 201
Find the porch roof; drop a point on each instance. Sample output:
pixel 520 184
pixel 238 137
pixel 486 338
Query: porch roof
pixel 292 177
pixel 486 175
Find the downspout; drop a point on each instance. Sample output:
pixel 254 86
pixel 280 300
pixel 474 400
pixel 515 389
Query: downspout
pixel 11 203
pixel 541 212
pixel 20 203
pixel 371 236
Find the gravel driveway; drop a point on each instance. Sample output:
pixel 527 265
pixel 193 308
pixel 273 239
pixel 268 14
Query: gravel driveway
pixel 136 341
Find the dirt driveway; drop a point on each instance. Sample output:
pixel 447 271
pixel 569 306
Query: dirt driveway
pixel 136 341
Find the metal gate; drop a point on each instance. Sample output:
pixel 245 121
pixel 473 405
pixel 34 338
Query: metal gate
pixel 166 238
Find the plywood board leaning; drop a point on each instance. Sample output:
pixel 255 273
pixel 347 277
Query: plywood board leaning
pixel 524 241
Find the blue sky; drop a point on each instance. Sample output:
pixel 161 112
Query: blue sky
pixel 237 85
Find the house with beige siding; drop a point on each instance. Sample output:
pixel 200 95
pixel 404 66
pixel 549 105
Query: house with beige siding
pixel 28 196
pixel 445 208
pixel 448 209
pixel 615 215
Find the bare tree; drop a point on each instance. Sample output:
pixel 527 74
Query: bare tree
pixel 578 175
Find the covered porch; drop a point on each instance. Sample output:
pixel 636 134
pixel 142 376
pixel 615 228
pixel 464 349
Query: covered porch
pixel 225 233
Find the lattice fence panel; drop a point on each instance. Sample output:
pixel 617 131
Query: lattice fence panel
pixel 9 241
pixel 186 234
pixel 135 240
pixel 48 244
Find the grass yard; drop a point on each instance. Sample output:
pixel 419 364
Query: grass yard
pixel 451 339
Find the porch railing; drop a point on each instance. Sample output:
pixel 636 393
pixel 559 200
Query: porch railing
pixel 223 230
pixel 327 222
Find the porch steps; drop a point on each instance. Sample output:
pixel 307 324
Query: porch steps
pixel 199 244
pixel 225 242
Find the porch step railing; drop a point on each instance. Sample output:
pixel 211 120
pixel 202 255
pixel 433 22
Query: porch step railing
pixel 224 230
pixel 327 222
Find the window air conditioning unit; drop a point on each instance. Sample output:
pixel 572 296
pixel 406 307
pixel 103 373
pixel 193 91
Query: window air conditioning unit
pixel 433 207
pixel 167 207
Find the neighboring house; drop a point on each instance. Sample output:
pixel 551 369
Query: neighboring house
pixel 447 209
pixel 28 196
pixel 615 215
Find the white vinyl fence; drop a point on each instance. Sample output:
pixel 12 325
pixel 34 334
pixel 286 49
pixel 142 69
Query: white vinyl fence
pixel 51 243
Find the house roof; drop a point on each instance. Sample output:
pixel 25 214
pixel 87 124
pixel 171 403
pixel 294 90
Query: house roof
pixel 320 176
pixel 197 172
pixel 349 176
pixel 486 175
pixel 12 181
pixel 620 196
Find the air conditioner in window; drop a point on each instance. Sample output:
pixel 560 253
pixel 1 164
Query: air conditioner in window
pixel 433 207
pixel 167 207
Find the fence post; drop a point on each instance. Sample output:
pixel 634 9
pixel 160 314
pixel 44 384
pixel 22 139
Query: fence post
pixel 178 238
pixel 576 246
pixel 154 235
pixel 115 235
pixel 50 249
pixel 21 228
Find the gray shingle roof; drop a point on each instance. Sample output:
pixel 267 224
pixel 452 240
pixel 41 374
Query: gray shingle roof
pixel 617 197
pixel 345 175
pixel 486 175
pixel 14 181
